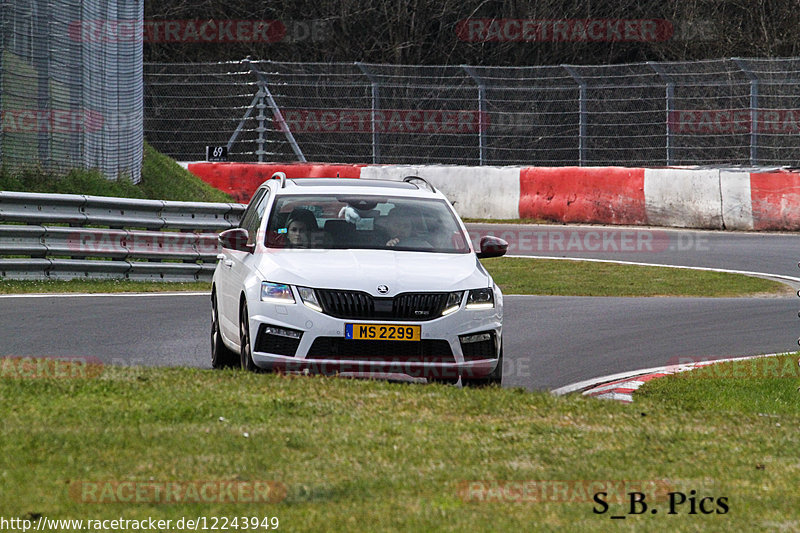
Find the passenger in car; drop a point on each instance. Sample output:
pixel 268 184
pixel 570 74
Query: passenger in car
pixel 401 223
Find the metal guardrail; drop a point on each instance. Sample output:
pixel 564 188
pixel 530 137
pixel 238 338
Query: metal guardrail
pixel 67 236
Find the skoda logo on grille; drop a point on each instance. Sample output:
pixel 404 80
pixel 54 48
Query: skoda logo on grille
pixel 383 289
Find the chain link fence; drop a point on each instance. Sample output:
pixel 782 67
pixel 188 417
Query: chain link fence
pixel 71 91
pixel 720 112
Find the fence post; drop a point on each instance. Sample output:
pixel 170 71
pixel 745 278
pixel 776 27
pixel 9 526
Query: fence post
pixel 481 110
pixel 40 39
pixel 581 113
pixel 670 97
pixel 261 128
pixel 375 105
pixel 265 92
pixel 753 110
pixel 2 74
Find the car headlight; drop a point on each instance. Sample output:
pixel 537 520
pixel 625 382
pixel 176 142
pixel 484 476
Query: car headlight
pixel 309 298
pixel 481 299
pixel 277 293
pixel 453 302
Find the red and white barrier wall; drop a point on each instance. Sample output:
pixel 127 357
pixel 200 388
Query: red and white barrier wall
pixel 481 192
pixel 241 180
pixel 678 197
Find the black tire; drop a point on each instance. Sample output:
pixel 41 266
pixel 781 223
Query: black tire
pixel 246 356
pixel 221 355
pixel 494 378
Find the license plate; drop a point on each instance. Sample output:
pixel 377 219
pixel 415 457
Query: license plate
pixel 388 332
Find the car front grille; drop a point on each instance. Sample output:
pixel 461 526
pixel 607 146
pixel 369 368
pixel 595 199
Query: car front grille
pixel 340 349
pixel 360 305
pixel 418 306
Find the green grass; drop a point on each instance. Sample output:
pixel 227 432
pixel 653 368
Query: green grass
pixel 588 278
pixel 97 286
pixel 162 179
pixel 515 276
pixel 377 456
pixel 754 385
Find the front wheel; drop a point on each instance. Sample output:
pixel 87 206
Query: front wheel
pixel 221 355
pixel 246 355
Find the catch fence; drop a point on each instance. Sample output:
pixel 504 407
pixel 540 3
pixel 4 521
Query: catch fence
pixel 70 95
pixel 721 112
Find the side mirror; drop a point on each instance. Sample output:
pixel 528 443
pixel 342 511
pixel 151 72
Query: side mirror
pixel 492 247
pixel 235 239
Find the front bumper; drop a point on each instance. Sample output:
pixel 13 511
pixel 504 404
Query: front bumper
pixel 295 338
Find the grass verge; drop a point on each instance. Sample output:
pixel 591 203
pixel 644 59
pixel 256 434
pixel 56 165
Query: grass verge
pixel 588 278
pixel 162 179
pixel 515 276
pixel 97 286
pixel 757 385
pixel 365 455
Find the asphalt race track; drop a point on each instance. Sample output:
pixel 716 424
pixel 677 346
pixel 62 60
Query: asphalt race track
pixel 772 253
pixel 550 341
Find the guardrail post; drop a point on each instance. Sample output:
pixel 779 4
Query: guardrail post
pixel 376 147
pixel 670 99
pixel 753 109
pixel 581 113
pixel 481 110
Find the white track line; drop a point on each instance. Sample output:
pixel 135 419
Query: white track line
pixel 103 294
pixel 636 263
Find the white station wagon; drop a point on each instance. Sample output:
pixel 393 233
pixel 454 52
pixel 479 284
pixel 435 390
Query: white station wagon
pixel 356 277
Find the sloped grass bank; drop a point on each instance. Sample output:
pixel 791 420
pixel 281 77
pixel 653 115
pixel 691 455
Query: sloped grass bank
pixel 162 179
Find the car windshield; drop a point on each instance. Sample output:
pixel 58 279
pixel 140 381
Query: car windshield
pixel 364 222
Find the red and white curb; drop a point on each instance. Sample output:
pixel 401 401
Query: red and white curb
pixel 620 387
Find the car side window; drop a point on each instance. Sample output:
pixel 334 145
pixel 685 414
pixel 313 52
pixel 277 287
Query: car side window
pixel 254 214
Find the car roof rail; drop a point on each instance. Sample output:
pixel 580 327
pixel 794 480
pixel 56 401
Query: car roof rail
pixel 282 176
pixel 411 179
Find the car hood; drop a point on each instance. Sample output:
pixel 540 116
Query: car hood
pixel 365 270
